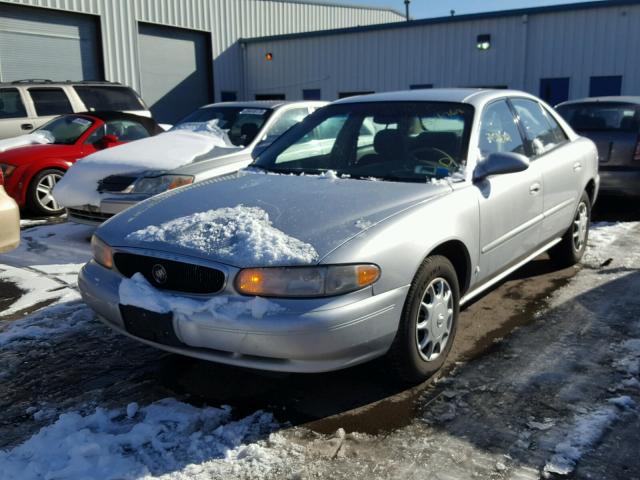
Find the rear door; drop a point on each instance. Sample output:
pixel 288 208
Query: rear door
pixel 554 156
pixel 510 204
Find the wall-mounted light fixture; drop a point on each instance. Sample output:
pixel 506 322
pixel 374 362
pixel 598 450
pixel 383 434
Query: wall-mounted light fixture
pixel 484 42
pixel 268 56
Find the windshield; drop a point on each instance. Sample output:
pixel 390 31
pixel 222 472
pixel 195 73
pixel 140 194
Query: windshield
pixel 66 130
pixel 602 116
pixel 242 124
pixel 402 141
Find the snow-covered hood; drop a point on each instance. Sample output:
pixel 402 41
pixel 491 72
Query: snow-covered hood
pixel 251 219
pixel 35 138
pixel 164 152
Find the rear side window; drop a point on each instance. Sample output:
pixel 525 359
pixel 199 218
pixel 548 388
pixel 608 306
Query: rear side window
pixel 124 130
pixel 11 105
pixel 537 125
pixel 50 101
pixel 119 99
pixel 602 116
pixel 498 131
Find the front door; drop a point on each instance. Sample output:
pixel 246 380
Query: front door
pixel 510 204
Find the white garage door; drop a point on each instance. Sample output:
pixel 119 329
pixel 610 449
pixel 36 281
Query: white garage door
pixel 43 43
pixel 175 68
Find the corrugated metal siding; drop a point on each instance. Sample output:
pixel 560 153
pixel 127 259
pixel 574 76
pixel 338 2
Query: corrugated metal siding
pixel 227 20
pixel 577 44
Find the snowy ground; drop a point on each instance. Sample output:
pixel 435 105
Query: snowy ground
pixel 557 397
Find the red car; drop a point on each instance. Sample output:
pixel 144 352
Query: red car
pixel 32 171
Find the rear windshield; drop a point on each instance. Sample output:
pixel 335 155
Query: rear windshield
pixel 602 116
pixel 119 99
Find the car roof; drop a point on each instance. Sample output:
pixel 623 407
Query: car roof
pixel 473 96
pixel 619 99
pixel 46 82
pixel 271 104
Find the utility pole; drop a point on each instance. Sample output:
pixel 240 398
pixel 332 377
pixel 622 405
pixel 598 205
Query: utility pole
pixel 406 7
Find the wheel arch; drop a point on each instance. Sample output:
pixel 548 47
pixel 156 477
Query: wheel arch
pixel 590 188
pixel 457 253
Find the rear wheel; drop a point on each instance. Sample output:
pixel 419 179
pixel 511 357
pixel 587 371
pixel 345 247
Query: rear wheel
pixel 429 321
pixel 574 242
pixel 39 196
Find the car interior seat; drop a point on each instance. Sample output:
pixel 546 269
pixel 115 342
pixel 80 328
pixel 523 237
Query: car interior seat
pixel 248 132
pixel 386 144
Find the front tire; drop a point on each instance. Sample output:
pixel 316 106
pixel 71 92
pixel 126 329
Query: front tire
pixel 39 196
pixel 429 322
pixel 574 242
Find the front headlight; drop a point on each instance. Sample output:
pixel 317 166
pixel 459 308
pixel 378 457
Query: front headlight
pixel 102 252
pixel 162 183
pixel 323 281
pixel 7 169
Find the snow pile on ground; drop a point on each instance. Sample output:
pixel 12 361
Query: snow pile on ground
pixel 240 235
pixel 42 326
pixel 588 428
pixel 63 243
pixel 601 235
pixel 163 152
pixel 36 138
pixel 137 292
pixel 40 286
pixel 166 439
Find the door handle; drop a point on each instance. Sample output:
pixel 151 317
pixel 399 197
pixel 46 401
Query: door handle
pixel 534 189
pixel 26 126
pixel 577 166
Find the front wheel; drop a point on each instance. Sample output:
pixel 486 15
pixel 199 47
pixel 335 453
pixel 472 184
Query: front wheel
pixel 39 196
pixel 574 242
pixel 429 321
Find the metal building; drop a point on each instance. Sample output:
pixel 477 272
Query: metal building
pixel 179 54
pixel 558 52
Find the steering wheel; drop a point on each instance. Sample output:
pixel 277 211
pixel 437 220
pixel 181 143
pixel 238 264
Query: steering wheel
pixel 443 158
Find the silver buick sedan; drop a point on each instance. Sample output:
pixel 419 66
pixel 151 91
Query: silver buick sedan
pixel 357 234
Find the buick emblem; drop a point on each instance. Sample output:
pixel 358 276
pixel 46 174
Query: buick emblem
pixel 159 274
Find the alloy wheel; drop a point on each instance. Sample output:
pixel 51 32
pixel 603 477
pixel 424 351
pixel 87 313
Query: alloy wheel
pixel 435 319
pixel 44 190
pixel 580 227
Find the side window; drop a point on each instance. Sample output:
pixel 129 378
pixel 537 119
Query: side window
pixel 286 121
pixel 498 131
pixel 109 98
pixel 50 101
pixel 537 125
pixel 126 130
pixel 557 130
pixel 11 105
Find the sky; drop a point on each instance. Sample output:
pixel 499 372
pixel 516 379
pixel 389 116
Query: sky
pixel 432 8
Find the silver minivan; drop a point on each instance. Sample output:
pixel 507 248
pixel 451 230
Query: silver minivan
pixel 27 104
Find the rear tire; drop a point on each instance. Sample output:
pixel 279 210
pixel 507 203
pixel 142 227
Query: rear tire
pixel 39 198
pixel 574 242
pixel 429 322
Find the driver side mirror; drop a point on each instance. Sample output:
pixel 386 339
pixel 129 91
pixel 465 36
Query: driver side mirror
pixel 500 163
pixel 107 141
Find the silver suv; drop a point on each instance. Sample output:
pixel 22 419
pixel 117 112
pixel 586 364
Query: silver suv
pixel 27 104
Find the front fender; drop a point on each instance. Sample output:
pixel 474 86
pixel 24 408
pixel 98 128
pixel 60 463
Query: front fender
pixel 30 171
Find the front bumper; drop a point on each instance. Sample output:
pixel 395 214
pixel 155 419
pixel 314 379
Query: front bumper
pixel 307 336
pixel 9 222
pixel 620 182
pixel 90 215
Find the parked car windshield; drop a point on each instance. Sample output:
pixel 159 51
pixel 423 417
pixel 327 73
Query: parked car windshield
pixel 67 129
pixel 602 116
pixel 241 123
pixel 401 141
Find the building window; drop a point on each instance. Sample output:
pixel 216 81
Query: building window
pixel 312 94
pixel 554 90
pixel 352 94
pixel 421 86
pixel 605 86
pixel 270 96
pixel 228 96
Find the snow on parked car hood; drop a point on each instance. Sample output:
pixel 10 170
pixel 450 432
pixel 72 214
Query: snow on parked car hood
pixel 36 138
pixel 283 219
pixel 164 152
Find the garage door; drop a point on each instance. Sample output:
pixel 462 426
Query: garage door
pixel 42 43
pixel 175 69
